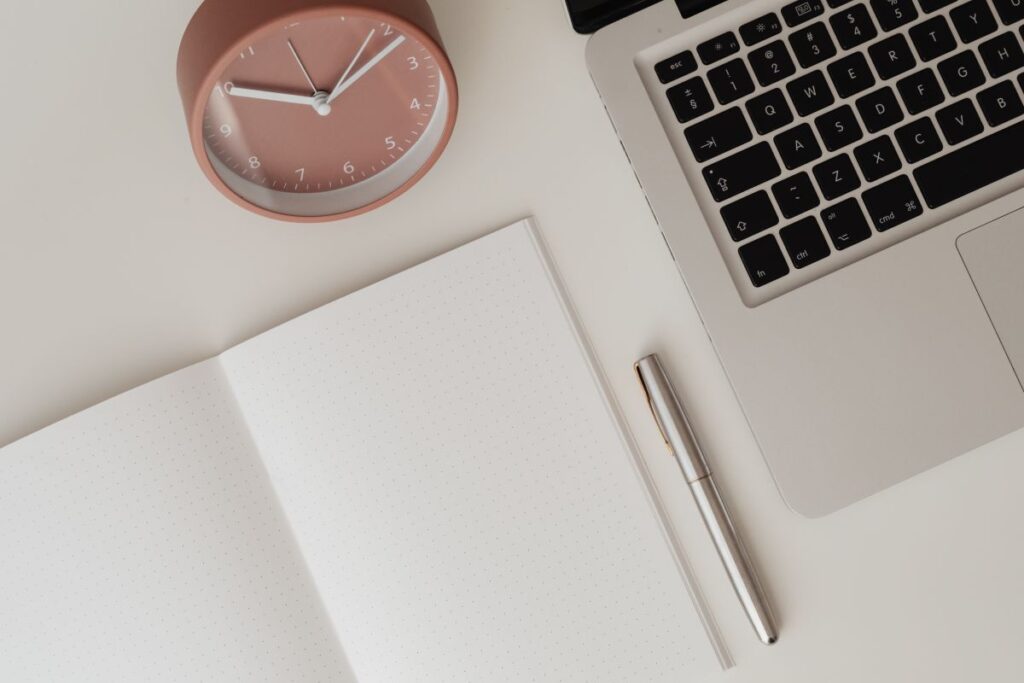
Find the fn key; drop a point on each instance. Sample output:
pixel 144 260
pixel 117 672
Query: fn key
pixel 763 260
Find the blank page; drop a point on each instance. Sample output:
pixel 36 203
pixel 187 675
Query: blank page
pixel 462 493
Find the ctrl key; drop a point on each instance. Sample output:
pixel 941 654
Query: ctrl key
pixel 763 260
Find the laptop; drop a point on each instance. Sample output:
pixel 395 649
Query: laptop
pixel 839 182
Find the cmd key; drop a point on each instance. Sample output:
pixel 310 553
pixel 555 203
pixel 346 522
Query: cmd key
pixel 742 171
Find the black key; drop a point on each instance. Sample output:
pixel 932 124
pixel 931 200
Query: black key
pixel 894 13
pixel 836 177
pixel 959 121
pixel 771 63
pixel 718 134
pixel 933 38
pixel 769 111
pixel 877 158
pixel 797 146
pixel 892 56
pixel 796 13
pixel 971 167
pixel 1002 54
pixel 918 140
pixel 846 224
pixel 675 67
pixel 762 28
pixel 853 26
pixel 973 20
pixel 934 5
pixel 838 128
pixel 920 91
pixel 690 99
pixel 719 47
pixel 892 203
pixel 810 93
pixel 1000 103
pixel 749 216
pixel 763 260
pixel 812 45
pixel 804 242
pixel 1010 11
pixel 837 3
pixel 742 171
pixel 961 73
pixel 851 74
pixel 795 195
pixel 879 109
pixel 730 81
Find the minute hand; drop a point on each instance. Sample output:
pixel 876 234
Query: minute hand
pixel 345 85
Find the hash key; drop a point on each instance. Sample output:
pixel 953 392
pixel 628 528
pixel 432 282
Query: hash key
pixel 846 224
pixel 892 203
pixel 1002 54
pixel 718 134
pixel 795 195
pixel 742 171
pixel 810 93
pixel 763 260
pixel 771 63
pixel 690 99
pixel 730 81
pixel 877 158
pixel 812 45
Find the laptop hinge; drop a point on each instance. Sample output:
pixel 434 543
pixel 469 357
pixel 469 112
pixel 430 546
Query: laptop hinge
pixel 688 8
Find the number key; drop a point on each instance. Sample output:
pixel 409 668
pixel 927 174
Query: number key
pixel 812 45
pixel 771 63
pixel 853 26
pixel 690 99
pixel 730 81
pixel 894 13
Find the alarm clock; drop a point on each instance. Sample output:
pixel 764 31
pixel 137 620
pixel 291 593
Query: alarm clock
pixel 315 110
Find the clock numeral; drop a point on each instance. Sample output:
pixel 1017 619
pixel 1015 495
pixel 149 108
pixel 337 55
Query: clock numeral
pixel 415 104
pixel 413 63
pixel 226 130
pixel 224 90
pixel 348 168
pixel 301 172
pixel 254 162
pixel 390 143
pixel 388 30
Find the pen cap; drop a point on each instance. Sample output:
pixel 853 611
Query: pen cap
pixel 671 420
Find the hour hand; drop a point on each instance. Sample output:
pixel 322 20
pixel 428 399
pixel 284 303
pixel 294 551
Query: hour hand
pixel 317 102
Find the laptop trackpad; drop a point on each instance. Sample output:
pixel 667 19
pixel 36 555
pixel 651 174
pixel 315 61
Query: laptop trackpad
pixel 994 255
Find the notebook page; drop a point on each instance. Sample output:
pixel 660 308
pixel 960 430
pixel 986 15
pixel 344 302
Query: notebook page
pixel 461 493
pixel 141 541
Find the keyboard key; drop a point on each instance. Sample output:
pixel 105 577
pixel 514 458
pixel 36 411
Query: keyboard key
pixel 1000 103
pixel 877 158
pixel 804 242
pixel 961 73
pixel 769 111
pixel 1010 11
pixel 795 195
pixel 934 5
pixel 959 121
pixel 763 260
pixel 771 63
pixel 853 26
pixel 880 109
pixel 797 146
pixel 920 91
pixel 836 177
pixel 851 74
pixel 837 3
pixel 892 203
pixel 730 81
pixel 796 13
pixel 918 140
pixel 893 13
pixel 846 224
pixel 675 67
pixel 838 128
pixel 1002 54
pixel 742 171
pixel 812 45
pixel 933 38
pixel 762 28
pixel 971 167
pixel 718 134
pixel 973 20
pixel 720 47
pixel 748 216
pixel 810 93
pixel 892 57
pixel 690 99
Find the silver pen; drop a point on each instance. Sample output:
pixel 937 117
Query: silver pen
pixel 675 428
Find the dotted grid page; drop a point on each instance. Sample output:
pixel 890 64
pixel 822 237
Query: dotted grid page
pixel 461 492
pixel 141 541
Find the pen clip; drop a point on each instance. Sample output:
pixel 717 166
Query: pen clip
pixel 650 406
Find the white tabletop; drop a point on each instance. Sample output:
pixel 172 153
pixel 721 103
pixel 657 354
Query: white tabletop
pixel 120 263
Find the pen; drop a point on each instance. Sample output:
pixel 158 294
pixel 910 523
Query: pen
pixel 675 429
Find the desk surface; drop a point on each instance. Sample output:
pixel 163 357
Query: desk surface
pixel 126 265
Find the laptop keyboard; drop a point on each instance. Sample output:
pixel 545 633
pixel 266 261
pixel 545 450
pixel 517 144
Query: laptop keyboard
pixel 817 127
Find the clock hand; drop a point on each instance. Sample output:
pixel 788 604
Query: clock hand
pixel 305 71
pixel 345 85
pixel 359 53
pixel 318 102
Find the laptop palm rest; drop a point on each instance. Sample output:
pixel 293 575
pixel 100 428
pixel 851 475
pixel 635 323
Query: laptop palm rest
pixel 994 256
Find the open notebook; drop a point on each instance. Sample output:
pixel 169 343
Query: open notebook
pixel 421 482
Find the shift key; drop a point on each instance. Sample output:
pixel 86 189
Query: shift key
pixel 738 173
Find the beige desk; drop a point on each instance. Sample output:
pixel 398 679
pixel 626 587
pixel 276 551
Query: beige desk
pixel 119 263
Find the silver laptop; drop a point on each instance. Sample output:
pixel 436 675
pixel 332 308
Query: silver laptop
pixel 839 182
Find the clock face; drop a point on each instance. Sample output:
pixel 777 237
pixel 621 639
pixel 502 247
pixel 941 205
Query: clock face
pixel 323 115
